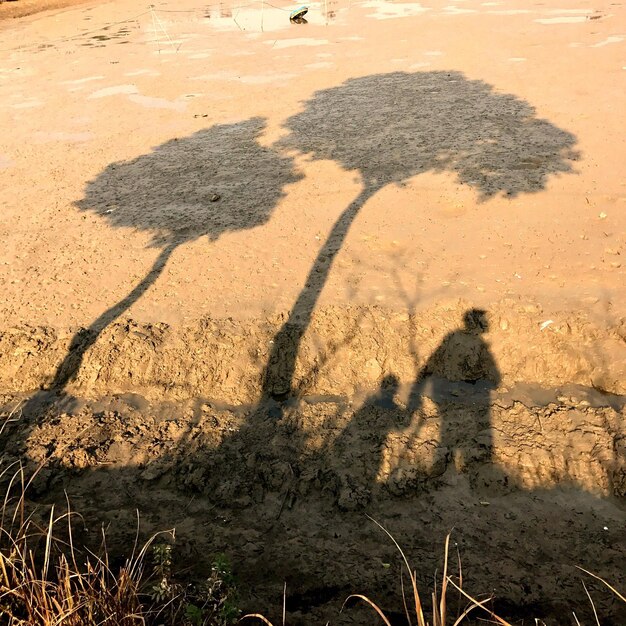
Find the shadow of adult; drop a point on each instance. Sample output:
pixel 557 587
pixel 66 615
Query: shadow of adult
pixel 216 181
pixel 389 128
pixel 466 436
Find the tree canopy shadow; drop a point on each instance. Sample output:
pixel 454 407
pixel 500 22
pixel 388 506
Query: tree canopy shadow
pixel 216 181
pixel 389 128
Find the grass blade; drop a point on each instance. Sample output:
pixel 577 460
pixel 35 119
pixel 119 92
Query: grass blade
pixel 372 604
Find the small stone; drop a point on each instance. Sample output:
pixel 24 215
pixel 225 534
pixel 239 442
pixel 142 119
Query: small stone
pixel 215 197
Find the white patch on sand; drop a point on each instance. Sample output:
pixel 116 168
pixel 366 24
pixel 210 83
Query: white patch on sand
pixel 609 40
pixel 433 53
pixel 81 81
pixel 569 11
pixel 452 10
pixel 279 44
pixel 113 91
pixel 224 75
pixel 253 79
pixel 517 59
pixel 5 162
pixel 157 103
pixel 387 11
pixel 419 66
pixel 319 65
pixel 199 55
pixel 47 137
pixel 29 104
pixel 562 20
pixel 266 79
pixel 143 73
pixel 509 12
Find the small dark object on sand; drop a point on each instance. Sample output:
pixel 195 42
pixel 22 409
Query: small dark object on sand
pixel 297 15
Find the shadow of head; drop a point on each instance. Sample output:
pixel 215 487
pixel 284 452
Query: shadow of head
pixel 391 127
pixel 476 321
pixel 215 181
pixel 390 383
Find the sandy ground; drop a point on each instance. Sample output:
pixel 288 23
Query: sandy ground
pixel 209 212
pixel 113 115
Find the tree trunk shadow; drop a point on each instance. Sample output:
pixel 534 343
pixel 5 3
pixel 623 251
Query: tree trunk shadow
pixel 85 338
pixel 278 376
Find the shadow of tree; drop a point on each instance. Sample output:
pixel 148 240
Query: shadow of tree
pixel 216 181
pixel 389 128
pixel 266 480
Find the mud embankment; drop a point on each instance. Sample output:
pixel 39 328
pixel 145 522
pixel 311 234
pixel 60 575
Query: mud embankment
pixel 512 432
pixel 342 352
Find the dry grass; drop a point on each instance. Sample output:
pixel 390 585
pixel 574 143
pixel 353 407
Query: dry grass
pixel 41 581
pixel 413 606
pixel 46 580
pixel 439 611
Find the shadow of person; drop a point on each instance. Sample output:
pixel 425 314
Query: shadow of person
pixel 462 371
pixel 355 455
pixel 216 181
pixel 389 128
